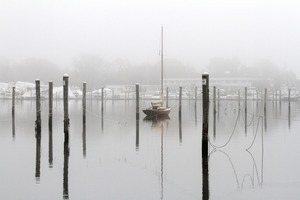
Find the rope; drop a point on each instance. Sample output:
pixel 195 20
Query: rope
pixel 215 146
pixel 259 117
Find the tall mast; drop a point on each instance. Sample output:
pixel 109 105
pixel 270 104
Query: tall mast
pixel 162 65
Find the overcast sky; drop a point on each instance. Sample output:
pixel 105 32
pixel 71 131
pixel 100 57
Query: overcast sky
pixel 194 30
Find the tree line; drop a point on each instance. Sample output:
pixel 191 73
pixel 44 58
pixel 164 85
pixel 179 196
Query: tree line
pixel 98 72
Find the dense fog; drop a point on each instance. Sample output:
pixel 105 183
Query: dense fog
pixel 118 42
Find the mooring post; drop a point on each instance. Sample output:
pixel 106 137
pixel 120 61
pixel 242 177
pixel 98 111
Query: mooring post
pixel 84 102
pixel 289 97
pixel 102 98
pixel 137 116
pixel 205 104
pixel 137 107
pixel 180 100
pixel 66 106
pixel 205 110
pixel 102 120
pixel 50 93
pixel 38 105
pixel 289 109
pixel 13 99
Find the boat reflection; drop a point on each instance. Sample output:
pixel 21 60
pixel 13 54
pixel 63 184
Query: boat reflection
pixel 159 123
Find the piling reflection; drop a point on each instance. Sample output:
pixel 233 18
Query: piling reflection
pixel 38 156
pixel 137 134
pixel 66 169
pixel 205 178
pixel 84 136
pixel 50 150
pixel 180 129
pixel 13 126
pixel 195 112
pixel 289 115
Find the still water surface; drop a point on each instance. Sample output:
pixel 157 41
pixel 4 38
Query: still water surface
pixel 115 157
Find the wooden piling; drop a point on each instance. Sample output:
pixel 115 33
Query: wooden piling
pixel 289 109
pixel 205 110
pixel 84 103
pixel 137 106
pixel 13 100
pixel 50 103
pixel 38 105
pixel 102 120
pixel 102 98
pixel 289 97
pixel 180 100
pixel 205 104
pixel 66 105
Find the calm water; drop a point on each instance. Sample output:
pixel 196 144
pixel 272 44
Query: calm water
pixel 116 157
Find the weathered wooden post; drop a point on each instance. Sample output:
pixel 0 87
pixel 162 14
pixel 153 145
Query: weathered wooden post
pixel 137 97
pixel 50 150
pixel 289 109
pixel 289 97
pixel 205 104
pixel 84 103
pixel 102 108
pixel 102 98
pixel 50 93
pixel 137 117
pixel 66 106
pixel 38 105
pixel 180 100
pixel 13 99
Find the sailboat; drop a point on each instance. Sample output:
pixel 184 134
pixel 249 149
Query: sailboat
pixel 157 108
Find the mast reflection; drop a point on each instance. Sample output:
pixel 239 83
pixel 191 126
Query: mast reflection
pixel 158 123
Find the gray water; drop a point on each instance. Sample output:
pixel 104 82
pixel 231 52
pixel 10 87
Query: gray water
pixel 116 157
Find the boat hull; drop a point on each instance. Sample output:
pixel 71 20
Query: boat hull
pixel 156 112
